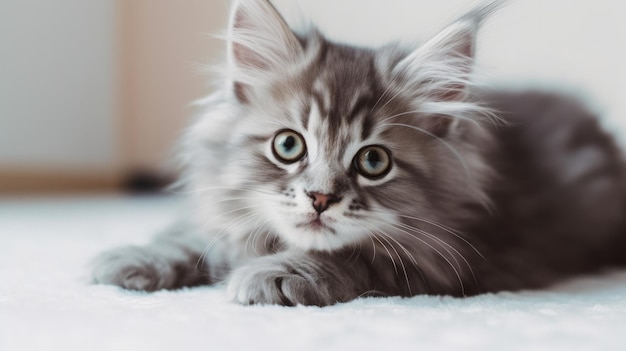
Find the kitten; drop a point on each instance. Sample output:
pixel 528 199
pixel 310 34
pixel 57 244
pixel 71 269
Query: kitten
pixel 325 172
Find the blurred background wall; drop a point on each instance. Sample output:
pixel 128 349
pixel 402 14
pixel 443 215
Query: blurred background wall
pixel 164 46
pixel 94 93
pixel 58 106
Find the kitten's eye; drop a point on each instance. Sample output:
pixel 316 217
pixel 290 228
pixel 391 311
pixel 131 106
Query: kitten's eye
pixel 373 162
pixel 288 146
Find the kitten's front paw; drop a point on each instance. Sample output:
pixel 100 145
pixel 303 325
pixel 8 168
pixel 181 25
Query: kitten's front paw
pixel 275 284
pixel 133 268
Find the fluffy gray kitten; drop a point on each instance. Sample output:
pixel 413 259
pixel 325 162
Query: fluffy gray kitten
pixel 324 172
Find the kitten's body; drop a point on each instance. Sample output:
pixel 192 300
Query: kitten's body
pixel 465 206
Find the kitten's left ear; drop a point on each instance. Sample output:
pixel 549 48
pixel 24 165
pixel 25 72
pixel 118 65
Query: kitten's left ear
pixel 440 69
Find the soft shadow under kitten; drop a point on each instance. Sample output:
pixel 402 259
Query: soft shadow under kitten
pixel 324 172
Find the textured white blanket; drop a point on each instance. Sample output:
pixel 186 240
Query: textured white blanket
pixel 46 303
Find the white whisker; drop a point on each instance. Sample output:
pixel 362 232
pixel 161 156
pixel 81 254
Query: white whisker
pixel 393 262
pixel 253 235
pixel 443 242
pixel 228 212
pixel 406 277
pixel 225 231
pixel 373 249
pixel 392 98
pixel 456 272
pixel 471 120
pixel 446 229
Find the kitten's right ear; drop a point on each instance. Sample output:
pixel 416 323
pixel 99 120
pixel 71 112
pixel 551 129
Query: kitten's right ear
pixel 259 43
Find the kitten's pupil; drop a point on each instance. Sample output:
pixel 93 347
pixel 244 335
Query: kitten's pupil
pixel 373 158
pixel 289 143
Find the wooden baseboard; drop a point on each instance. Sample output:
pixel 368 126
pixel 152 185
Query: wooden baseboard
pixel 24 182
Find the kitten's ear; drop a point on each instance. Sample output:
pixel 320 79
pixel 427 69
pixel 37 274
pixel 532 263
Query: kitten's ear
pixel 440 69
pixel 259 43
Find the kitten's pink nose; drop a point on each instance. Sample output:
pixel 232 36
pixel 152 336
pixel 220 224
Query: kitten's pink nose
pixel 321 202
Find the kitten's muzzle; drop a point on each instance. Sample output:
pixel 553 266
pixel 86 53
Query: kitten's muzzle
pixel 321 202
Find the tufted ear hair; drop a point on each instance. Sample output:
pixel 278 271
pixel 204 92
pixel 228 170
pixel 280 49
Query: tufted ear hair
pixel 259 43
pixel 437 74
pixel 440 69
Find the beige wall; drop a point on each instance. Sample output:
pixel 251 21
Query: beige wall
pixel 164 43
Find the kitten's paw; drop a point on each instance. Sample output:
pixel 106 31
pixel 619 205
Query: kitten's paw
pixel 275 284
pixel 133 268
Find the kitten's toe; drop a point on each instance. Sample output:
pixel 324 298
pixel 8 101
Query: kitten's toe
pixel 132 268
pixel 248 286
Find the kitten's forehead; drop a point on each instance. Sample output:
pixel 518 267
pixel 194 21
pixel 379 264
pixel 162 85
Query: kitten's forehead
pixel 343 89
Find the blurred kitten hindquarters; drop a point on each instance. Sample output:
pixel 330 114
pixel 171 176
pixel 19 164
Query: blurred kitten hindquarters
pixel 324 172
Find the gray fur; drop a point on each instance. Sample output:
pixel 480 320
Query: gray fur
pixel 171 261
pixel 487 191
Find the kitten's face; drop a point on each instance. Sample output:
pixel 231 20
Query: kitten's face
pixel 336 165
pixel 331 156
pixel 336 145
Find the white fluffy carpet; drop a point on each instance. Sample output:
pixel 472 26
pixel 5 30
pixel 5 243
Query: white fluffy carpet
pixel 46 303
